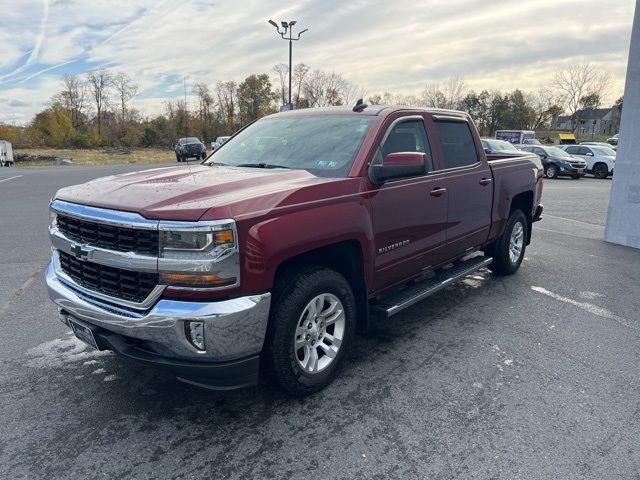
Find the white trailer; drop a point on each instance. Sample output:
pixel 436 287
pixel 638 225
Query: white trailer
pixel 6 154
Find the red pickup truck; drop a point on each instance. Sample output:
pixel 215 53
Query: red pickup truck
pixel 270 254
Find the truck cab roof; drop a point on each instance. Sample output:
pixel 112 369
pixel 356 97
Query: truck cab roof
pixel 371 110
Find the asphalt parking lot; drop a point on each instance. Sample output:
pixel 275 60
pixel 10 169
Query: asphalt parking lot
pixel 530 376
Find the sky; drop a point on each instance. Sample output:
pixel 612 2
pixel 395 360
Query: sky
pixel 381 45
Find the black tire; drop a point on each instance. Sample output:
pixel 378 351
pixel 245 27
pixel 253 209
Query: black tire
pixel 551 171
pixel 575 177
pixel 177 158
pixel 600 171
pixel 500 251
pixel 293 291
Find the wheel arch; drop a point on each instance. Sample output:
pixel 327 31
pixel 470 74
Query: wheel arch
pixel 344 257
pixel 524 201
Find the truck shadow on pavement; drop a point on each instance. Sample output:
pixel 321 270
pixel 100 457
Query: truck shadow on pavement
pixel 92 401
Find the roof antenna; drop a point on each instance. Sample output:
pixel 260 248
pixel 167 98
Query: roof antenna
pixel 360 106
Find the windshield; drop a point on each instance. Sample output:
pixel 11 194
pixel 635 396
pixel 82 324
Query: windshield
pixel 186 141
pixel 323 145
pixel 607 152
pixel 557 152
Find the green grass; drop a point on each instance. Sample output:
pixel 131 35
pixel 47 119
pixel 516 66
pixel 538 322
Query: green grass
pixel 97 156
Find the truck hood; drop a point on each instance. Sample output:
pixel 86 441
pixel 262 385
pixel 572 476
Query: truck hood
pixel 186 193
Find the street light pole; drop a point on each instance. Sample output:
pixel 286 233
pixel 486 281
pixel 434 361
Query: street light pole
pixel 288 27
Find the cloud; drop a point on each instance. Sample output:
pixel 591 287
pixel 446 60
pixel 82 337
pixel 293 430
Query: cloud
pixel 382 46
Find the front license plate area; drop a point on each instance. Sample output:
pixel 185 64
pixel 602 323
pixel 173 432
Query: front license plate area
pixel 83 332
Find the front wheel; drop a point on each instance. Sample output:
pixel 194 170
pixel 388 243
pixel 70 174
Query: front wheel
pixel 508 250
pixel 551 171
pixel 575 177
pixel 311 326
pixel 600 171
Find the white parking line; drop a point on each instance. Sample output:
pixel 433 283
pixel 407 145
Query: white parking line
pixel 571 220
pixel 10 178
pixel 588 307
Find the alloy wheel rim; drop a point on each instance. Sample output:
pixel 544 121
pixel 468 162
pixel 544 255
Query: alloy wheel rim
pixel 551 172
pixel 319 333
pixel 516 242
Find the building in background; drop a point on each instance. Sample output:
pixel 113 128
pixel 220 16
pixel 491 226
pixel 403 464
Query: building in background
pixel 596 121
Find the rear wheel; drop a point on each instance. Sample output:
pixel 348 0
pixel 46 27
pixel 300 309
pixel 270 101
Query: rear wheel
pixel 551 171
pixel 575 177
pixel 600 171
pixel 508 251
pixel 311 326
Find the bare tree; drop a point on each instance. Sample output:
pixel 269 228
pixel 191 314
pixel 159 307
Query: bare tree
pixel 227 92
pixel 282 69
pixel 72 97
pixel 448 95
pixel 205 105
pixel 300 72
pixel 99 81
pixel 324 89
pixel 545 104
pixel 577 82
pixel 125 90
pixel 352 92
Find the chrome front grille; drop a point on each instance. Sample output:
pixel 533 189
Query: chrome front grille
pixel 107 236
pixel 114 282
pixel 578 164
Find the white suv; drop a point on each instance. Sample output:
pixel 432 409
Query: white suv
pixel 600 160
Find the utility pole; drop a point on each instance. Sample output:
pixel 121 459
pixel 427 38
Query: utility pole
pixel 288 26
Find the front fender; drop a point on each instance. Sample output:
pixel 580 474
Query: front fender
pixel 271 242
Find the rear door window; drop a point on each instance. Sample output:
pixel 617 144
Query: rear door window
pixel 458 146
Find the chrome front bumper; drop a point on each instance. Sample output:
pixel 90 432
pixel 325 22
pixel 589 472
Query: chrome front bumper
pixel 234 328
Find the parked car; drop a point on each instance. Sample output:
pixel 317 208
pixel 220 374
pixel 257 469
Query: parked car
pixel 516 137
pixel 190 147
pixel 6 154
pixel 600 160
pixel 273 253
pixel 217 143
pixel 599 144
pixel 557 162
pixel 613 140
pixel 492 146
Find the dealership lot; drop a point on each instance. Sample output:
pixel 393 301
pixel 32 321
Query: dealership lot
pixel 532 376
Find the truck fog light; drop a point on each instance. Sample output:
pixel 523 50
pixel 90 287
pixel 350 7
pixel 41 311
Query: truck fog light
pixel 195 334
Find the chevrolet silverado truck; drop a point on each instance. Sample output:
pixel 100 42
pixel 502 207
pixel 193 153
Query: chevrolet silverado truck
pixel 271 254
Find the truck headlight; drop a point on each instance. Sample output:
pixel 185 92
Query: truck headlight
pixel 199 255
pixel 53 218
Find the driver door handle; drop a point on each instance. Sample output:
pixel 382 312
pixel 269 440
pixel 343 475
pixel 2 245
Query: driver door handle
pixel 436 192
pixel 485 181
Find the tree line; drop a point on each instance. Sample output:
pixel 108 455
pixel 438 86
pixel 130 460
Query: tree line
pixel 94 109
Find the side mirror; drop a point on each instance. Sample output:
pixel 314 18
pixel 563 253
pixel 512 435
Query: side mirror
pixel 398 165
pixel 544 156
pixel 487 150
pixel 589 154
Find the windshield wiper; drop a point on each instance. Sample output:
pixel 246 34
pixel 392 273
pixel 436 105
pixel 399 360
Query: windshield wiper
pixel 211 164
pixel 261 165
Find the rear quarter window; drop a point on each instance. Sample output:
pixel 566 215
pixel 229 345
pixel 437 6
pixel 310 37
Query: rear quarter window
pixel 458 146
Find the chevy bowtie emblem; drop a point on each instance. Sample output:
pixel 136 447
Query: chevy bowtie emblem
pixel 81 252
